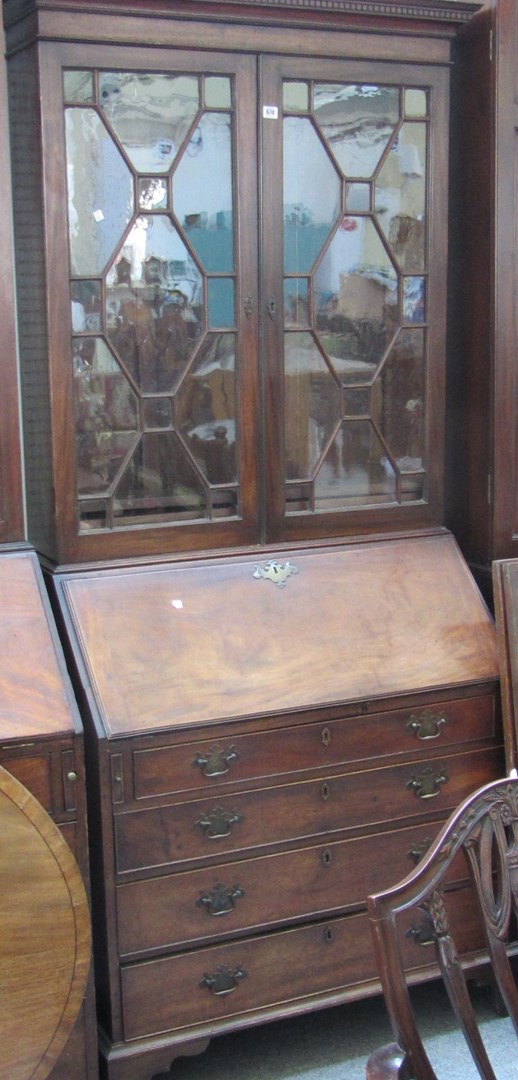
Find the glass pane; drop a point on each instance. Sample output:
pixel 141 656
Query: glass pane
pixel 356 310
pixel 295 96
pixel 153 304
pixel 78 86
pixel 399 400
pixel 311 195
pixel 218 92
pixel 296 301
pixel 312 402
pixel 100 191
pixel 357 197
pixel 156 413
pixel 161 478
pixel 414 299
pixel 355 468
pixel 92 514
pixel 203 207
pixel 106 415
pixel 357 122
pixel 150 114
pixel 220 302
pixel 357 402
pixel 416 103
pixel 152 193
pixel 206 409
pixel 86 306
pixel 401 197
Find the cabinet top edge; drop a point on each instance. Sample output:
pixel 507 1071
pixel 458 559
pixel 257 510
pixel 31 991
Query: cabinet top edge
pixel 451 12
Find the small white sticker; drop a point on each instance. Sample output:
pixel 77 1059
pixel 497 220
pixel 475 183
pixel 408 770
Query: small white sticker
pixel 177 603
pixel 98 215
pixel 270 112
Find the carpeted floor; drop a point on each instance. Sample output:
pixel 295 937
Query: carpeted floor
pixel 334 1044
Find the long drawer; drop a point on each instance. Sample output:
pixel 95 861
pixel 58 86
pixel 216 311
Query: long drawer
pixel 254 974
pixel 176 910
pixel 187 831
pixel 162 770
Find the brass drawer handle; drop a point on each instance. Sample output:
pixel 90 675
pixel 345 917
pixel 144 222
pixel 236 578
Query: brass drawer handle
pixel 224 980
pixel 216 762
pixel 426 725
pixel 218 823
pixel 221 899
pixel 426 785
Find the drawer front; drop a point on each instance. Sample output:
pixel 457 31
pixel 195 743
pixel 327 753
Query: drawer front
pixel 260 973
pixel 167 769
pixel 201 905
pixel 208 829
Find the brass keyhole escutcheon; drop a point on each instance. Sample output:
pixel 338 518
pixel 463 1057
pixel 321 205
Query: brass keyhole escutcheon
pixel 325 792
pixel 326 857
pixel 325 736
pixel 328 935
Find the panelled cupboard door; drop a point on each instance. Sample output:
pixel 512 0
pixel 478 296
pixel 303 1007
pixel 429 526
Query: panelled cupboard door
pixel 226 370
pixel 354 224
pixel 153 315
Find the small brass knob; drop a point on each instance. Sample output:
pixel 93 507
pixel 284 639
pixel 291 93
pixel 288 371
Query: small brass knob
pixel 72 776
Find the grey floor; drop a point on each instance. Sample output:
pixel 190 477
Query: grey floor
pixel 334 1044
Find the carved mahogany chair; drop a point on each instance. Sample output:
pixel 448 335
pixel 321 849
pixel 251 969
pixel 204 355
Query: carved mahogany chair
pixel 485 829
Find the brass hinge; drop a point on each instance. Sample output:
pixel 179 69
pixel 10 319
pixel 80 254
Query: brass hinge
pixel 491 46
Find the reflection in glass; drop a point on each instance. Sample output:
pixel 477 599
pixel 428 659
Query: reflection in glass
pixel 152 193
pixel 414 299
pixel 78 86
pixel 204 209
pixel 313 405
pixel 220 302
pixel 100 191
pixel 160 472
pixel 356 467
pixel 105 412
pixel 218 92
pixel 357 402
pixel 355 288
pixel 400 197
pixel 150 114
pixel 357 122
pixel 93 514
pixel 357 198
pixel 296 302
pixel 295 96
pixel 156 413
pixel 416 103
pixel 86 306
pixel 311 195
pixel 399 403
pixel 355 380
pixel 206 409
pixel 153 304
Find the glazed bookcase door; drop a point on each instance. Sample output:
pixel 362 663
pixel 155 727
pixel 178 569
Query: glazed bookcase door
pixel 354 220
pixel 158 385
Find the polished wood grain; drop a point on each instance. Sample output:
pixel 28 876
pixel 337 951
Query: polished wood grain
pixel 35 700
pixel 45 936
pixel 203 642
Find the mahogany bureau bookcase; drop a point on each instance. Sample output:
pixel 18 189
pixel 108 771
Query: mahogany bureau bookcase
pixel 231 225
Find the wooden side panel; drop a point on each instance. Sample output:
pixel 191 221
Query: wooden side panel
pixel 11 495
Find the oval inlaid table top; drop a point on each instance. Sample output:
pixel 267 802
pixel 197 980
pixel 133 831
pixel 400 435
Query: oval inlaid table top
pixel 44 936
